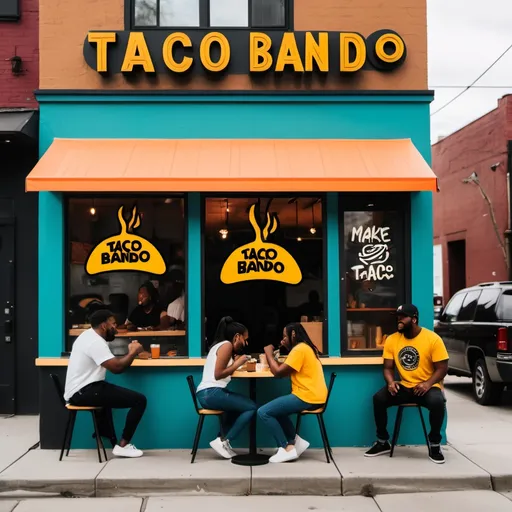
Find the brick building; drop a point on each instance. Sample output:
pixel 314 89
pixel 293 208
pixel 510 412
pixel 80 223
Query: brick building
pixel 19 120
pixel 466 247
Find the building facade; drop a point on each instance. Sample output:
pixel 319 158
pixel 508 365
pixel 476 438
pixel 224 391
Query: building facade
pixel 471 247
pixel 262 162
pixel 19 124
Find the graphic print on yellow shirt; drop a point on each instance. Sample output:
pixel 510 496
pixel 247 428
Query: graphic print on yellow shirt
pixel 308 382
pixel 415 357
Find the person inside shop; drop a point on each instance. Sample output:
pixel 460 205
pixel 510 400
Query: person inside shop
pixel 313 308
pixel 225 356
pixel 148 315
pixel 309 391
pixel 176 309
pixel 85 379
pixel 422 362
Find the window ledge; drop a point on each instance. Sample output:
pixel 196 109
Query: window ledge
pixel 196 361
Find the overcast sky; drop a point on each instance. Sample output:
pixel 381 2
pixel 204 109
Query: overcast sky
pixel 465 37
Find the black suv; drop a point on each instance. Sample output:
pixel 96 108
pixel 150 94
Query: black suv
pixel 476 326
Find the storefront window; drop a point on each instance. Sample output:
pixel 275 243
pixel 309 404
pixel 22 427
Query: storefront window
pixel 127 254
pixel 374 273
pixel 264 266
pixel 210 13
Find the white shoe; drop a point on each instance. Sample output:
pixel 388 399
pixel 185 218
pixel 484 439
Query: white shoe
pixel 230 448
pixel 222 448
pixel 127 451
pixel 301 445
pixel 283 456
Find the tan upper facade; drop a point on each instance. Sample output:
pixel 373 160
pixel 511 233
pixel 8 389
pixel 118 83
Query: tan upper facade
pixel 64 28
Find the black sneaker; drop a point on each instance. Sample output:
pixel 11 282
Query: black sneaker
pixel 436 455
pixel 378 448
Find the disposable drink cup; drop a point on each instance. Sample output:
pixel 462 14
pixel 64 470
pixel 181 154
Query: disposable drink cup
pixel 155 351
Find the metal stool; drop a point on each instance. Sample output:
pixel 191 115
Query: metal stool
pixel 202 413
pixel 70 426
pixel 319 413
pixel 398 424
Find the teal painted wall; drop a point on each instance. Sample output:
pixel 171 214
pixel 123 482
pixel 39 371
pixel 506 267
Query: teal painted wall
pixel 318 117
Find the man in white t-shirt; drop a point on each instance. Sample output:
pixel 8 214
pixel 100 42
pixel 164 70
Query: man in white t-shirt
pixel 176 309
pixel 85 380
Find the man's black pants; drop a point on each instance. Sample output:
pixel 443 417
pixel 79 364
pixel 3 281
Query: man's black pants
pixel 433 400
pixel 110 396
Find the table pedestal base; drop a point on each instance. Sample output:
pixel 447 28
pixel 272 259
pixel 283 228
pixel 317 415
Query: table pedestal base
pixel 250 459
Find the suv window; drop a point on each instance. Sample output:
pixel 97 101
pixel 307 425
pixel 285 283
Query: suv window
pixel 453 308
pixel 467 312
pixel 486 307
pixel 504 309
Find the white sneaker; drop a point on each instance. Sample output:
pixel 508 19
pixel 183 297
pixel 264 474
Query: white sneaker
pixel 222 448
pixel 301 445
pixel 127 451
pixel 230 448
pixel 283 456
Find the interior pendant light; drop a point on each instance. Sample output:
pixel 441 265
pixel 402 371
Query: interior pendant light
pixel 224 231
pixel 313 228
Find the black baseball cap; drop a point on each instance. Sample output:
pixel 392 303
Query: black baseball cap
pixel 407 310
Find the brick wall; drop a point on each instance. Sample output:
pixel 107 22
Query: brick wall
pixel 460 212
pixel 21 37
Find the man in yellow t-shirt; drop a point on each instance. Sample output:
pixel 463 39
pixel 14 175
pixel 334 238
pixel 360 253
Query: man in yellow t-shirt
pixel 421 359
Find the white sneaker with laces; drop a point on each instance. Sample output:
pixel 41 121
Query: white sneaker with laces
pixel 301 445
pixel 283 456
pixel 230 448
pixel 129 451
pixel 221 447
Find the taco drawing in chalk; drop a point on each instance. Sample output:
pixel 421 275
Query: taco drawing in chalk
pixel 261 260
pixel 126 251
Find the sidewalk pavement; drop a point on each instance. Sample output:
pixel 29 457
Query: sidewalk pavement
pixel 477 459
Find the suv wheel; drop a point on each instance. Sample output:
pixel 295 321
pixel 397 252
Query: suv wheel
pixel 486 392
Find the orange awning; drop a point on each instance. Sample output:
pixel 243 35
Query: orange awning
pixel 234 165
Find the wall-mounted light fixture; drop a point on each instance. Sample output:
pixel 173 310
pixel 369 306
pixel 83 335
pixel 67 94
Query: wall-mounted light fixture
pixel 16 65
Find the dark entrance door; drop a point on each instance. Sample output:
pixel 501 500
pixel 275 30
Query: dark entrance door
pixel 457 266
pixel 7 334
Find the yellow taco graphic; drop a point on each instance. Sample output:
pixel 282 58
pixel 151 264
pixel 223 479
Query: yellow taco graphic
pixel 125 251
pixel 261 260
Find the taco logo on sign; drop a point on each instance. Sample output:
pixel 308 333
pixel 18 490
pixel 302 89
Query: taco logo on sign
pixel 261 260
pixel 126 251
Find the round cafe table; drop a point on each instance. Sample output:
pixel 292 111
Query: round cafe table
pixel 252 458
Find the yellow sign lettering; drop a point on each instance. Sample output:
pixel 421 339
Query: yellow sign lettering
pixel 225 52
pixel 184 65
pixel 390 40
pixel 101 39
pixel 348 40
pixel 137 54
pixel 289 54
pixel 259 48
pixel 318 52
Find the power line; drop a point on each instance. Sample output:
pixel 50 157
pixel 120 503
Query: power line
pixel 474 87
pixel 471 85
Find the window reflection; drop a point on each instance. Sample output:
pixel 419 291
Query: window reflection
pixel 268 13
pixel 179 13
pixel 226 13
pixel 145 13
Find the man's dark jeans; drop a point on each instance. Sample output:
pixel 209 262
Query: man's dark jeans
pixel 110 396
pixel 433 400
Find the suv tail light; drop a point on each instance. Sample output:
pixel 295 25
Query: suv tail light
pixel 502 339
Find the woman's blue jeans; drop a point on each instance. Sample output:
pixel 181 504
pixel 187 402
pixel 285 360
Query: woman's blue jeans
pixel 275 415
pixel 238 409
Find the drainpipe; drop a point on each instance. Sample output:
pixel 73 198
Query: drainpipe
pixel 508 233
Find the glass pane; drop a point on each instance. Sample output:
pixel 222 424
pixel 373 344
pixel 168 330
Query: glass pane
pixel 96 235
pixel 374 275
pixel 227 13
pixel 486 308
pixel 268 13
pixel 505 306
pixel 179 13
pixel 468 309
pixel 243 285
pixel 145 13
pixel 453 308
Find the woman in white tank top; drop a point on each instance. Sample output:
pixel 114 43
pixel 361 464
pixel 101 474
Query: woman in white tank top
pixel 230 338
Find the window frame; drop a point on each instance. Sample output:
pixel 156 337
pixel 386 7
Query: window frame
pixel 323 196
pixel 382 201
pixel 12 17
pixel 204 19
pixel 67 255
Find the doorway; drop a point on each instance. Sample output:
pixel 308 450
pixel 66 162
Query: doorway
pixel 457 266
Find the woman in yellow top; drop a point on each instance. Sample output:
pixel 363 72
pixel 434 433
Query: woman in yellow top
pixel 309 391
